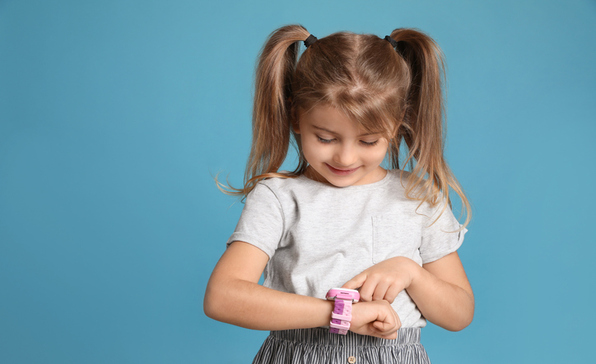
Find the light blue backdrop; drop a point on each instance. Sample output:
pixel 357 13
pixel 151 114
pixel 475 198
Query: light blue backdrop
pixel 114 115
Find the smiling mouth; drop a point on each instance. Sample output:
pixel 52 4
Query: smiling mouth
pixel 341 172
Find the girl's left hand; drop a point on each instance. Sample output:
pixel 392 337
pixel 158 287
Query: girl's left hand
pixel 385 280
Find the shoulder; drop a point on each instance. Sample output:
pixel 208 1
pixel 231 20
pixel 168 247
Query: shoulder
pixel 299 193
pixel 397 182
pixel 277 182
pixel 401 177
pixel 286 185
pixel 407 189
pixel 274 190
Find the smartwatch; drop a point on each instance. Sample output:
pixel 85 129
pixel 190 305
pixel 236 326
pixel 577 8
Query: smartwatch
pixel 342 312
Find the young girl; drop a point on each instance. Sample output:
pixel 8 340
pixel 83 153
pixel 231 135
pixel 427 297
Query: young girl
pixel 341 219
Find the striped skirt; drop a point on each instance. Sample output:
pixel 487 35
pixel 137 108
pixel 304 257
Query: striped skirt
pixel 318 346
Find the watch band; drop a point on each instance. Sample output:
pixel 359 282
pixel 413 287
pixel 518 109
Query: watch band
pixel 342 310
pixel 341 317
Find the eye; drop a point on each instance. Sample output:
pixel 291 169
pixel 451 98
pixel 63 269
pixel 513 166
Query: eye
pixel 323 140
pixel 369 144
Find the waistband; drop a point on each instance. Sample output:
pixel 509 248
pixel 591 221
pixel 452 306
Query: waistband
pixel 321 336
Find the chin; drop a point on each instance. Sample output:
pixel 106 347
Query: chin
pixel 342 182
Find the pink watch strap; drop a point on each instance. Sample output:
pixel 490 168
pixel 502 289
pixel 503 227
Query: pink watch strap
pixel 341 316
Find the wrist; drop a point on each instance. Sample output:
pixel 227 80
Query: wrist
pixel 341 316
pixel 416 272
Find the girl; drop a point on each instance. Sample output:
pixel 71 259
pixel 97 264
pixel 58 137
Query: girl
pixel 340 219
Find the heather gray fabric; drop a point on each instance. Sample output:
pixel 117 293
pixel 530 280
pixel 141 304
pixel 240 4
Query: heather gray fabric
pixel 318 236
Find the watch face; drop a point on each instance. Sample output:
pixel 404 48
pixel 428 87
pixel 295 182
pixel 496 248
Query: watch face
pixel 343 294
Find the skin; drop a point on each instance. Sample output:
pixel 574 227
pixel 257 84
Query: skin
pixel 341 154
pixel 337 151
pixel 234 296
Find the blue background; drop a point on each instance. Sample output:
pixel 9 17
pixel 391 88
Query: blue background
pixel 115 115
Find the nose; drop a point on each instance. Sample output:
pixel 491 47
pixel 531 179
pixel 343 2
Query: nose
pixel 345 155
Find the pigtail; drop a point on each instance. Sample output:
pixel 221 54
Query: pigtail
pixel 271 121
pixel 423 121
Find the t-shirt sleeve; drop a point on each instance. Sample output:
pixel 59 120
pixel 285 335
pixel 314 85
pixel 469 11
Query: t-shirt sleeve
pixel 440 237
pixel 261 222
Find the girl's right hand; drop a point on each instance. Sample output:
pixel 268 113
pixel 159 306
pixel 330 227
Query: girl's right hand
pixel 376 318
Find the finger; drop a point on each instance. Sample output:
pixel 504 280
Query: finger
pixel 373 331
pixel 387 326
pixel 383 334
pixel 380 291
pixel 355 282
pixel 385 323
pixel 367 289
pixel 392 293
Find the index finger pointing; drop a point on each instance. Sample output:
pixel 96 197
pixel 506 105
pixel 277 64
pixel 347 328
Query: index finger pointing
pixel 355 282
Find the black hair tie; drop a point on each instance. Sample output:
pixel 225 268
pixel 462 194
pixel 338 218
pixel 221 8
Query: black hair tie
pixel 310 40
pixel 392 41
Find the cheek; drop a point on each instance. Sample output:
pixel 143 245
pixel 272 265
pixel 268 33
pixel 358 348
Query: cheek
pixel 311 149
pixel 378 155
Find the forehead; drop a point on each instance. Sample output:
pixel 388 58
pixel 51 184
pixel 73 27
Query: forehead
pixel 324 114
pixel 327 117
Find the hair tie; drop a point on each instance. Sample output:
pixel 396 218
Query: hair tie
pixel 310 40
pixel 392 41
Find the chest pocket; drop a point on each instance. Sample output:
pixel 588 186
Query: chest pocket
pixel 396 235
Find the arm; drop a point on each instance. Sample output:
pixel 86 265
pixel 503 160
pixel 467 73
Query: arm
pixel 443 294
pixel 440 289
pixel 234 296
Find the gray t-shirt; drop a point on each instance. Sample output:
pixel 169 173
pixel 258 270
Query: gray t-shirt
pixel 319 236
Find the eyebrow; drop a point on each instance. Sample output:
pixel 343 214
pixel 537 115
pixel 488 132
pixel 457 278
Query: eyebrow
pixel 334 133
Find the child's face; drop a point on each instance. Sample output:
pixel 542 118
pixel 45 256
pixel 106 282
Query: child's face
pixel 337 150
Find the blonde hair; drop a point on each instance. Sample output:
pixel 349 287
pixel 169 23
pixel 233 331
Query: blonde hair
pixel 396 90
